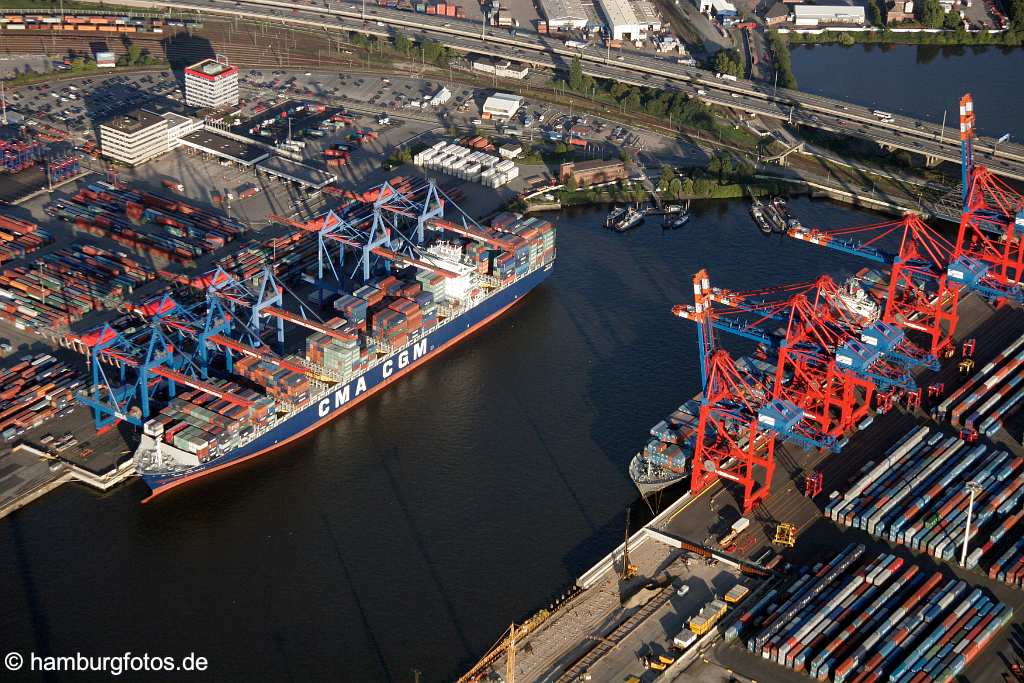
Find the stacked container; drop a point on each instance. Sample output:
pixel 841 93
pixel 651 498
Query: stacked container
pixel 63 286
pixel 33 391
pixel 918 496
pixel 858 617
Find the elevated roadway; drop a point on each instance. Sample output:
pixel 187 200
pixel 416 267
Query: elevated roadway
pixel 540 50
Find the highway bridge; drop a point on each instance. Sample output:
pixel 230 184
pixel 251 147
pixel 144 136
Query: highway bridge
pixel 634 68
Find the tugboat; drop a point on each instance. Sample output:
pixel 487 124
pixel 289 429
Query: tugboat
pixel 758 214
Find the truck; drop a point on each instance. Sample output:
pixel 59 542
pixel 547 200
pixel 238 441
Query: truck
pixel 738 527
pixel 248 191
pixel 685 639
pixel 725 77
pixel 172 184
pixel 576 44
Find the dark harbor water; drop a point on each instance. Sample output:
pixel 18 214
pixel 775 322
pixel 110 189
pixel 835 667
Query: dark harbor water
pixel 408 534
pixel 921 81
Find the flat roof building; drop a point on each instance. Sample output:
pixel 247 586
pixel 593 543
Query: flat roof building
pixel 502 105
pixel 211 83
pixel 629 19
pixel 815 15
pixel 564 15
pixel 502 68
pixel 134 138
pixel 225 146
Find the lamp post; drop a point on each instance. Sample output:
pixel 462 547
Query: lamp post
pixel 974 488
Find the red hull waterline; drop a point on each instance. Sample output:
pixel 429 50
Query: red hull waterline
pixel 352 404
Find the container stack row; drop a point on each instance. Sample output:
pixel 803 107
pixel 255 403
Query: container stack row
pixel 98 23
pixel 922 491
pixel 467 164
pixel 17 155
pixel 177 231
pixel 441 9
pixel 540 238
pixel 283 385
pixel 993 394
pixel 860 617
pixel 206 426
pixel 19 237
pixel 63 286
pixel 33 391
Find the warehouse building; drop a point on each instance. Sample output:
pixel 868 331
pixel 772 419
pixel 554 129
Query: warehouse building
pixel 564 15
pixel 502 68
pixel 586 173
pixel 809 16
pixel 776 15
pixel 440 97
pixel 134 138
pixel 628 22
pixel 211 83
pixel 502 106
pixel 724 11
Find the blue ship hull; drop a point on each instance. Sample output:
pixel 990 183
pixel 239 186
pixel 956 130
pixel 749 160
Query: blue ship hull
pixel 344 397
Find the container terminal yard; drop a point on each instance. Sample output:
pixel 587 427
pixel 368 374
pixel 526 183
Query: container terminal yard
pixel 886 546
pixel 855 499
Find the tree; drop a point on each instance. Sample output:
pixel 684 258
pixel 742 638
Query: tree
pixel 931 13
pixel 576 81
pixel 952 21
pixel 133 53
pixel 728 62
pixel 632 101
pixel 570 184
pixel 874 13
pixel 675 188
pixel 668 174
pixel 403 44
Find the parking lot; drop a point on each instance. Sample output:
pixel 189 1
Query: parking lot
pixel 76 105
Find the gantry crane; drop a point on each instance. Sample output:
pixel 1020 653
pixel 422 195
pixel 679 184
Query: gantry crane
pixel 989 250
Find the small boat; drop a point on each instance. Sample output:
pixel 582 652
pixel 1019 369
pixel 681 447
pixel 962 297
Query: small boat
pixel 757 212
pixel 630 220
pixel 614 216
pixel 674 208
pixel 676 221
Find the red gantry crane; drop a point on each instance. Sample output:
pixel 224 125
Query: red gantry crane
pixel 990 242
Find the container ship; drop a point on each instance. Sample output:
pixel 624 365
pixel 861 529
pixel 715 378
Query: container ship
pixel 384 328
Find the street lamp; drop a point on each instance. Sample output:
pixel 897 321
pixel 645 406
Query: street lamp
pixel 973 488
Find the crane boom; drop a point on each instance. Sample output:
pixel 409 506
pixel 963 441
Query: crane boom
pixel 465 231
pixel 205 387
pixel 308 324
pixel 409 261
pixel 262 354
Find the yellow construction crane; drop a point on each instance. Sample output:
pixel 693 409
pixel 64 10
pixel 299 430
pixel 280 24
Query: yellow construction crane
pixel 785 534
pixel 628 569
pixel 510 656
